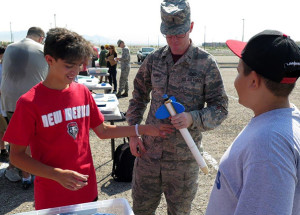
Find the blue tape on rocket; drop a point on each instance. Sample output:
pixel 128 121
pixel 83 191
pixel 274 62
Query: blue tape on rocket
pixel 163 113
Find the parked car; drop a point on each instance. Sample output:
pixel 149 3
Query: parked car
pixel 143 53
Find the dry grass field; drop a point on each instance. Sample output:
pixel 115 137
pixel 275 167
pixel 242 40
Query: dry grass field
pixel 15 200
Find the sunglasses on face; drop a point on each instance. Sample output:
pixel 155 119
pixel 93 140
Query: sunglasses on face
pixel 178 36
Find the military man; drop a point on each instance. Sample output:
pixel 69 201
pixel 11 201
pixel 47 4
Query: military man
pixel 125 68
pixel 190 74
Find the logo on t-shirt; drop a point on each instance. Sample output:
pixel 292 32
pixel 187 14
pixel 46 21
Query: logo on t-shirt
pixel 73 129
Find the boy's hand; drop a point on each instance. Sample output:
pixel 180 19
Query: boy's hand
pixel 71 180
pixel 159 129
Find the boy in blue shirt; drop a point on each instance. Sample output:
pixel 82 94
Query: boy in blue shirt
pixel 259 173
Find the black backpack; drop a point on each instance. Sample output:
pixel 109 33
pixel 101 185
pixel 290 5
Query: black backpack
pixel 123 163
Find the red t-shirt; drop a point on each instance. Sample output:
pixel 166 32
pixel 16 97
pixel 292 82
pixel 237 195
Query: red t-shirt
pixel 56 123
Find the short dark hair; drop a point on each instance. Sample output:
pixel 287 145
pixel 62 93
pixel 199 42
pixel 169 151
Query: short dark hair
pixel 102 47
pixel 2 49
pixel 35 31
pixel 67 45
pixel 278 89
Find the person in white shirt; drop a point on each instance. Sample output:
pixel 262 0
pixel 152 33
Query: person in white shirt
pixel 23 67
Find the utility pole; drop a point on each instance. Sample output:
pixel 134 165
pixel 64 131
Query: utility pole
pixel 54 20
pixel 243 29
pixel 204 37
pixel 11 35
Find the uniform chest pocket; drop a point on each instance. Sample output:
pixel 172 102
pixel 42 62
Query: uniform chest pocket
pixel 159 80
pixel 192 85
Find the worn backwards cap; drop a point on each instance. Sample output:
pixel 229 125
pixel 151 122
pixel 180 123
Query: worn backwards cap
pixel 175 17
pixel 271 54
pixel 119 42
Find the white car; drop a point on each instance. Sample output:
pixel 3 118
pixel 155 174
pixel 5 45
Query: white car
pixel 143 53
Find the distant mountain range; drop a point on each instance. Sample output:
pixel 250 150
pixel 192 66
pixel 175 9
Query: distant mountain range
pixel 19 35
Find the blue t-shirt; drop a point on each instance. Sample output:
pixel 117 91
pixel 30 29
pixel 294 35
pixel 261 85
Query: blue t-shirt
pixel 259 173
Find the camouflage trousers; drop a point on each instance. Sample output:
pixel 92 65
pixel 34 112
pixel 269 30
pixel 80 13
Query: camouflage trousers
pixel 177 180
pixel 123 84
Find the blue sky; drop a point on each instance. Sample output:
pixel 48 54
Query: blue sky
pixel 138 21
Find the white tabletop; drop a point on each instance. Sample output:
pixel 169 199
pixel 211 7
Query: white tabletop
pixel 96 71
pixel 108 105
pixel 92 83
pixel 116 115
pixel 103 86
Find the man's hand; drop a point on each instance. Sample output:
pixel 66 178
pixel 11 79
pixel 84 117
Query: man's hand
pixel 182 120
pixel 71 180
pixel 136 146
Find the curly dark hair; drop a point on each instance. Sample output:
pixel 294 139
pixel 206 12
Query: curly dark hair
pixel 67 45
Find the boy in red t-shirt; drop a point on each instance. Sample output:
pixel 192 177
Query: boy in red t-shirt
pixel 54 118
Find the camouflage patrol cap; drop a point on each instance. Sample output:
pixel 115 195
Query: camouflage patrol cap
pixel 119 42
pixel 175 17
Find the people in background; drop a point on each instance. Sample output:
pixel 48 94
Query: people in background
pixel 3 124
pixel 125 68
pixel 23 67
pixel 112 67
pixel 95 56
pixel 102 61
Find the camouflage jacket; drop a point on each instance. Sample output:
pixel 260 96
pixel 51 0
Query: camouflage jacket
pixel 125 59
pixel 195 81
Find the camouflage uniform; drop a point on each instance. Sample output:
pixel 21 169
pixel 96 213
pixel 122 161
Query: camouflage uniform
pixel 125 68
pixel 168 166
